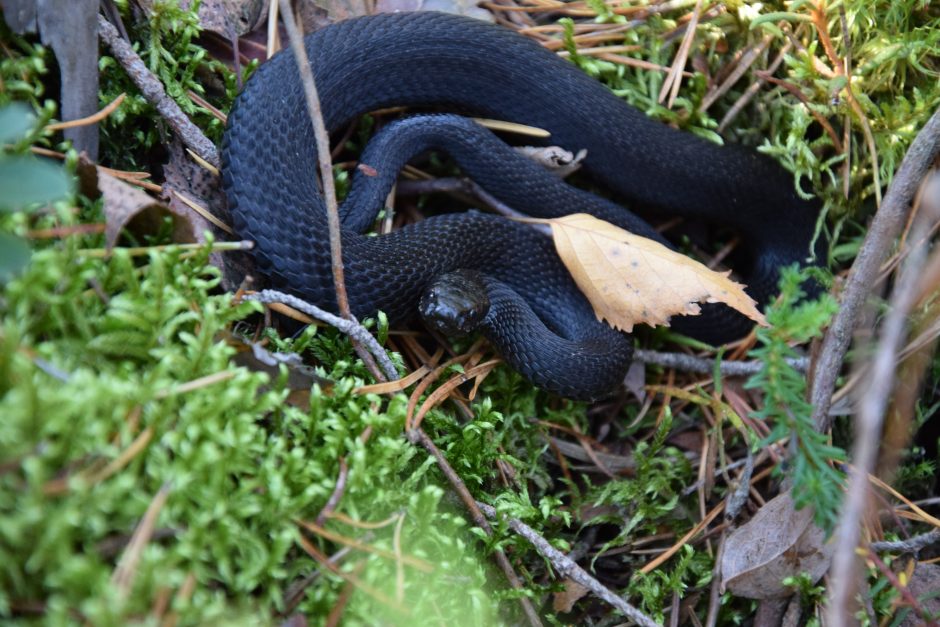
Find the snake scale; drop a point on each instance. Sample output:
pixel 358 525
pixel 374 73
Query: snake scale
pixel 521 297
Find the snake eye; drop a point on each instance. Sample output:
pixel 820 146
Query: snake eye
pixel 455 303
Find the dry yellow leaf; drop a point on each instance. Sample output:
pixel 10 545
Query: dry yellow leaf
pixel 631 280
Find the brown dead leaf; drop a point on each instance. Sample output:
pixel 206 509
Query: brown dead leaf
pixel 631 280
pixel 778 542
pixel 128 207
pixel 300 377
pixel 563 601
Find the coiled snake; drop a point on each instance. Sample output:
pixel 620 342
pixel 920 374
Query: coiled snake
pixel 535 315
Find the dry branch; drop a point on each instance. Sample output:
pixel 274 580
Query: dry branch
pixel 566 567
pixel 419 437
pixel 323 152
pixel 882 232
pixel 152 89
pixel 690 363
pixel 350 327
pixel 844 575
pixel 911 545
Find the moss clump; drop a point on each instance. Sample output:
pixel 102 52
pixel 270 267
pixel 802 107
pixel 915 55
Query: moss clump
pixel 92 356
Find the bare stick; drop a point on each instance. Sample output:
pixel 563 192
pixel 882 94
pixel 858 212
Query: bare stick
pixel 467 187
pixel 566 567
pixel 152 89
pixel 690 363
pixel 871 410
pixel 323 153
pixel 337 494
pixel 417 436
pixel 350 327
pixel 884 229
pixel 456 185
pixel 911 545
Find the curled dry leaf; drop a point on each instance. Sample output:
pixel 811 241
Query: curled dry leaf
pixel 778 542
pixel 126 206
pixel 631 280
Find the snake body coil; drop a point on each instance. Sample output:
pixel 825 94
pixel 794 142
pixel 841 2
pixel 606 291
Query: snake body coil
pixel 537 318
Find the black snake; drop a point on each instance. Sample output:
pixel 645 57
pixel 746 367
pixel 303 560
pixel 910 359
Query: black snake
pixel 531 310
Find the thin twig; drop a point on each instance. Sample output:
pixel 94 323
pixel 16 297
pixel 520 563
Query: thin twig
pixel 567 568
pixel 152 89
pixel 871 411
pixel 467 187
pixel 690 363
pixel 350 327
pixel 884 229
pixel 418 436
pixel 337 494
pixel 911 545
pixel 325 162
pixel 323 153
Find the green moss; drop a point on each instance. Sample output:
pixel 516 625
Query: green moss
pixel 92 351
pixel 167 42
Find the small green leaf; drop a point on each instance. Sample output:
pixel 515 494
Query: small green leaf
pixel 26 181
pixel 14 255
pixel 16 120
pixel 837 83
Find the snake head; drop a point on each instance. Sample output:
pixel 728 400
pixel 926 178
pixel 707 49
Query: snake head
pixel 455 303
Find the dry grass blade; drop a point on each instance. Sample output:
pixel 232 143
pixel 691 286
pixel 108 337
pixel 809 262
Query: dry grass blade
pixel 438 396
pixel 325 562
pixel 91 119
pixel 512 127
pixel 398 385
pixel 674 78
pixel 414 562
pixel 205 213
pixel 124 574
pixel 426 383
